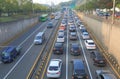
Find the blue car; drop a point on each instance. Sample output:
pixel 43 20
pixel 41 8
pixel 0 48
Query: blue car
pixel 9 54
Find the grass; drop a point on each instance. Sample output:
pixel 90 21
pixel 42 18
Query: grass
pixel 6 19
pixel 13 18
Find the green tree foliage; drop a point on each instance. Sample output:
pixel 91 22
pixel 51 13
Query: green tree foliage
pixel 93 4
pixel 19 6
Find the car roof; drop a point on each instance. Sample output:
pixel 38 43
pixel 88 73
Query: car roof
pixel 85 32
pixel 89 40
pixel 40 33
pixel 109 76
pixel 8 49
pixel 58 44
pixel 78 64
pixel 54 62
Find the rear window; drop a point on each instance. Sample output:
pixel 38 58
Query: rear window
pixel 38 37
pixel 5 54
pixel 53 68
pixel 91 43
pixel 60 36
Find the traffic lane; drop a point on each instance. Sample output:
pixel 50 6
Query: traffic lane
pixel 71 57
pixel 93 68
pixel 58 56
pixel 7 67
pixel 31 55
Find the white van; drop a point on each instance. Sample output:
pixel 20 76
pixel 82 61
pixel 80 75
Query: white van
pixel 39 38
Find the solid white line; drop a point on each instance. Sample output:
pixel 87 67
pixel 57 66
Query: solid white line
pixel 0 62
pixel 84 53
pixel 22 55
pixel 29 36
pixel 67 56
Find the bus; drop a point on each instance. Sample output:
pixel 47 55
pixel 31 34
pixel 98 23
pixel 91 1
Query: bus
pixel 43 17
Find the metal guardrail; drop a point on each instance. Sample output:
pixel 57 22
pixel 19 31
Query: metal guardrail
pixel 109 57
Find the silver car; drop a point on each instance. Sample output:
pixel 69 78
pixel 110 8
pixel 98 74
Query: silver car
pixel 105 74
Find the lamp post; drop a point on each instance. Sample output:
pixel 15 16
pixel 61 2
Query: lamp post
pixel 110 28
pixel 113 13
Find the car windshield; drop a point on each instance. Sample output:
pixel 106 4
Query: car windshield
pixel 60 36
pixel 91 43
pixel 58 45
pixel 38 37
pixel 53 68
pixel 73 34
pixel 75 47
pixel 5 54
pixel 80 72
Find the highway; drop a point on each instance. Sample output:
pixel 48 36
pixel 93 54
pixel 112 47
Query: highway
pixel 20 68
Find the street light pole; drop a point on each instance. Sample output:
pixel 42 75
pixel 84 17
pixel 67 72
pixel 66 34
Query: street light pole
pixel 113 14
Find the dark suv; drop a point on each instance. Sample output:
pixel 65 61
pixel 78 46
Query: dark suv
pixel 98 58
pixel 58 48
pixel 9 54
pixel 75 49
pixel 79 69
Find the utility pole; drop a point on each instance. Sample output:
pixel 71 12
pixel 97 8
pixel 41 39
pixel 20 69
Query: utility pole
pixel 113 13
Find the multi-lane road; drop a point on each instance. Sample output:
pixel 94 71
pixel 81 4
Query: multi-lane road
pixel 20 68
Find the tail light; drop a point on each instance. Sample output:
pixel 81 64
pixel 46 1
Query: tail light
pixel 48 72
pixel 58 73
pixel 53 48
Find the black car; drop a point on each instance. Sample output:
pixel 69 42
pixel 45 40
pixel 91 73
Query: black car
pixel 58 48
pixel 98 59
pixel 78 69
pixel 75 49
pixel 50 25
pixel 10 53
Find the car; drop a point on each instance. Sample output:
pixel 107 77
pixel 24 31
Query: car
pixel 117 15
pixel 10 53
pixel 104 74
pixel 54 68
pixel 78 69
pixel 85 35
pixel 61 38
pixel 98 59
pixel 75 49
pixel 73 36
pixel 90 44
pixel 39 38
pixel 63 23
pixel 61 32
pixel 82 28
pixel 62 27
pixel 72 28
pixel 57 17
pixel 50 25
pixel 70 22
pixel 58 48
pixel 78 22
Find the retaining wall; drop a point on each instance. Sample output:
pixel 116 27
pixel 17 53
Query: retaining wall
pixel 10 29
pixel 107 34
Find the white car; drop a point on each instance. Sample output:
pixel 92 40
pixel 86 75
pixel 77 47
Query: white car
pixel 54 68
pixel 60 38
pixel 105 74
pixel 90 44
pixel 85 35
pixel 61 32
